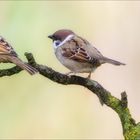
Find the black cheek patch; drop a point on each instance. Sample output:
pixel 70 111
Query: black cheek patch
pixel 57 43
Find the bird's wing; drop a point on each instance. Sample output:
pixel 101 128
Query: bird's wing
pixel 6 48
pixel 80 50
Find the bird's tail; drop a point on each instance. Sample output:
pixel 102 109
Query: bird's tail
pixel 23 65
pixel 111 61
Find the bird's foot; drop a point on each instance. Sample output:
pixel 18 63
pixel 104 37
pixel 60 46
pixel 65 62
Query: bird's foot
pixel 69 73
pixel 89 76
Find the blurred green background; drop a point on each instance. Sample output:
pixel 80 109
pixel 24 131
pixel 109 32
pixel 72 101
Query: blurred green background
pixel 35 107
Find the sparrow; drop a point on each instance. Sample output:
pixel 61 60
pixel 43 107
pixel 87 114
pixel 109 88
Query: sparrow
pixel 76 53
pixel 8 55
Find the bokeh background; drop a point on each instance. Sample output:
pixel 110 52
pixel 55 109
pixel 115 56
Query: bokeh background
pixel 34 106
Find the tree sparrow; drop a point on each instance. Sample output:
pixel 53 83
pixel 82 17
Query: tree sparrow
pixel 7 54
pixel 76 53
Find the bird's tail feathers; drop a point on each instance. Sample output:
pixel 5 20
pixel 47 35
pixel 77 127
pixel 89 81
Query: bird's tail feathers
pixel 31 70
pixel 111 61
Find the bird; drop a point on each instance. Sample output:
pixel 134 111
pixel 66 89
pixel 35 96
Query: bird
pixel 77 54
pixel 8 55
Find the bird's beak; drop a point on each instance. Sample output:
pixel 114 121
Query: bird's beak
pixel 51 37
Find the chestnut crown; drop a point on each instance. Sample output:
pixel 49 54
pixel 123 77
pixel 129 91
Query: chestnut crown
pixel 60 34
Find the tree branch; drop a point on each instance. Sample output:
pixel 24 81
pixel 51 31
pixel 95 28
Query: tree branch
pixel 131 130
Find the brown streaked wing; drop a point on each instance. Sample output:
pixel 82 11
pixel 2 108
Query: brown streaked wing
pixel 3 50
pixel 73 50
pixel 94 52
pixel 6 48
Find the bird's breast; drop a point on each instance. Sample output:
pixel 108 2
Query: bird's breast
pixel 73 65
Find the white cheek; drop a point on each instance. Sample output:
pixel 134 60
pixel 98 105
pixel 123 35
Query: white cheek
pixel 54 44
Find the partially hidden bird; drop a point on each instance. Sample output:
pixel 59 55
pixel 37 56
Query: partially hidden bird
pixel 8 55
pixel 76 53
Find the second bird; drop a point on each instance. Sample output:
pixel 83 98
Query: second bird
pixel 7 54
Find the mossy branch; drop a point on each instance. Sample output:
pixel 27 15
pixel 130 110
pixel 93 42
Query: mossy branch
pixel 131 129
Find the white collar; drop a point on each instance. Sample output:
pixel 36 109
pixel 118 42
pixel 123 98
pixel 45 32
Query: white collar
pixel 69 37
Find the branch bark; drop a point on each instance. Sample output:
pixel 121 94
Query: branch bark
pixel 131 129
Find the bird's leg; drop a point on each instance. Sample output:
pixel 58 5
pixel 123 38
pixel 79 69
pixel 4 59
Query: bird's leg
pixel 89 75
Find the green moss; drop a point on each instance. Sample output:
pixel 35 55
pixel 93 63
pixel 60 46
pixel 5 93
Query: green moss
pixel 133 133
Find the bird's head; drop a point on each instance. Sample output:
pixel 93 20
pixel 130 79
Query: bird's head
pixel 61 36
